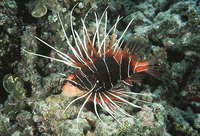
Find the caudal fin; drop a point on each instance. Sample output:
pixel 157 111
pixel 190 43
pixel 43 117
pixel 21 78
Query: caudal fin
pixel 157 65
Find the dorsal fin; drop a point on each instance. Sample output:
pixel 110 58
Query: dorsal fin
pixel 139 48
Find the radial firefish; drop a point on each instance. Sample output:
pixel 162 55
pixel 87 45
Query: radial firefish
pixel 101 67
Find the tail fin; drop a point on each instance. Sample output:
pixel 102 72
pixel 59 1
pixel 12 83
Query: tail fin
pixel 157 65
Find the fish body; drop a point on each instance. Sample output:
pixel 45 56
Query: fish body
pixel 101 68
pixel 107 70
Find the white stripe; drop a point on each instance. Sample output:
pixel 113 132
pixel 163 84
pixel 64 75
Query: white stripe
pixel 118 19
pixel 120 98
pixel 108 73
pixel 119 108
pixel 97 31
pixel 120 68
pixel 132 93
pixel 104 84
pixel 145 70
pixel 126 83
pixel 118 47
pixel 83 74
pixel 116 60
pixel 135 67
pixel 95 107
pixel 82 108
pixel 68 42
pixel 105 36
pixel 80 42
pixel 58 60
pixel 111 107
pixel 118 41
pixel 72 29
pixel 86 53
pixel 66 57
pixel 84 49
pixel 82 82
pixel 75 83
pixel 129 62
pixel 107 109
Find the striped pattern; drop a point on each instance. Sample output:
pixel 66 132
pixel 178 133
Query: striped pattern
pixel 101 67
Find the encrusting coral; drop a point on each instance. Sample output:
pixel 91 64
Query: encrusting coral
pixel 35 104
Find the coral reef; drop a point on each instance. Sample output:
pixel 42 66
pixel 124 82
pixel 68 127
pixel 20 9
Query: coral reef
pixel 9 39
pixel 31 99
pixel 183 130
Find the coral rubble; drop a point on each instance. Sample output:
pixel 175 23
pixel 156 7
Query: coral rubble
pixel 31 93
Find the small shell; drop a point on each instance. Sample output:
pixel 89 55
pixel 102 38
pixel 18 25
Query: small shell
pixel 39 10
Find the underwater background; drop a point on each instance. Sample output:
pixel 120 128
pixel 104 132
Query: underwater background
pixel 31 102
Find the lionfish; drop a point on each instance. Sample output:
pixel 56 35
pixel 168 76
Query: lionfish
pixel 101 68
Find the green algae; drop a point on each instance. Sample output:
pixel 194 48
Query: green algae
pixel 15 102
pixel 14 86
